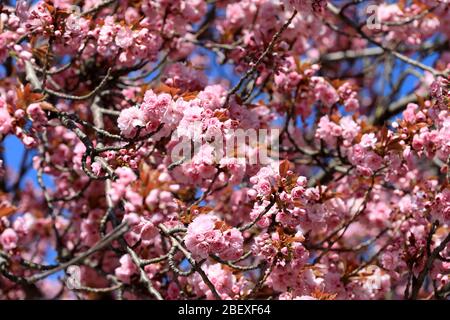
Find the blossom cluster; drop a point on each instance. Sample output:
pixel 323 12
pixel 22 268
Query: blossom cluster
pixel 204 237
pixel 255 149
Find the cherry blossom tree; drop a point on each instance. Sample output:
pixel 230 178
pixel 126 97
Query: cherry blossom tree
pixel 133 186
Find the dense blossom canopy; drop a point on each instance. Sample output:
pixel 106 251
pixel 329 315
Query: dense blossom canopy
pixel 128 187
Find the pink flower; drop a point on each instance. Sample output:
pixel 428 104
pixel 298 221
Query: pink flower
pixel 126 269
pixel 119 187
pixel 5 118
pixel 389 260
pixel 154 107
pixel 350 128
pixel 300 254
pixel 131 15
pixel 36 114
pixel 410 113
pixel 89 232
pixel 76 26
pixel 195 239
pixel 297 192
pixel 223 280
pixel 302 181
pixel 235 167
pixel 130 120
pixel 203 238
pixel 22 9
pixel 325 92
pixel 193 10
pixel 124 38
pixel 141 229
pixel 368 140
pixel 234 245
pixel 9 239
pixel 24 224
pixel 264 187
pixel 96 168
pixel 187 78
pixel 351 104
pixel 212 97
pixel 235 14
pixel 328 130
pixel 308 5
pixel 39 18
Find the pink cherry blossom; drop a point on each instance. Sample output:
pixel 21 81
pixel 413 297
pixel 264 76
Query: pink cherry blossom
pixel 9 239
pixel 126 270
pixel 130 120
pixel 5 119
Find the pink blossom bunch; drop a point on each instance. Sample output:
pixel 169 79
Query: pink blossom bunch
pixel 408 32
pixel 147 116
pixel 308 5
pixel 204 237
pixel 325 92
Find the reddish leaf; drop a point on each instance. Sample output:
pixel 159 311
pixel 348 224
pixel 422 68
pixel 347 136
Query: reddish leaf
pixel 163 88
pixel 284 167
pixel 188 96
pixel 25 97
pixel 6 210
